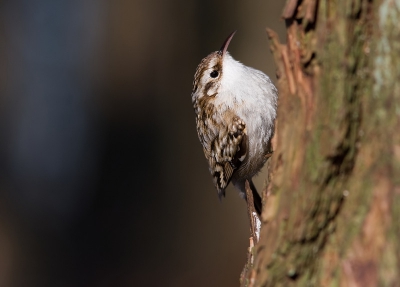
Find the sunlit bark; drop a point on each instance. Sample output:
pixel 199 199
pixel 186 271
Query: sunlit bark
pixel 332 206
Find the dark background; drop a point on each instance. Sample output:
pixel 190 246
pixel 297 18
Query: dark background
pixel 102 179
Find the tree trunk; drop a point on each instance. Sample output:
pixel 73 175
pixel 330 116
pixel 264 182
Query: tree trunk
pixel 331 212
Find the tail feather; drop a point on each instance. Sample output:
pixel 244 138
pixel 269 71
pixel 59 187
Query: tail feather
pixel 256 198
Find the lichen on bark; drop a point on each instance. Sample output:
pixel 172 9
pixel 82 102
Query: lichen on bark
pixel 333 193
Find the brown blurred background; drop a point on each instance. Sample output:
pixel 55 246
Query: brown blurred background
pixel 102 179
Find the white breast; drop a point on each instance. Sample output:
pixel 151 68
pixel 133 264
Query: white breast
pixel 253 97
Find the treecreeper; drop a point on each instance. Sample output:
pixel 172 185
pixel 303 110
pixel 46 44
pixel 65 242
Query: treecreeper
pixel 235 109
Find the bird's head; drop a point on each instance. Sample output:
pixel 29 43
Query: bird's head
pixel 210 71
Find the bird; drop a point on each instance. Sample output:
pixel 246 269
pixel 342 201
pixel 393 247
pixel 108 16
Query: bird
pixel 235 107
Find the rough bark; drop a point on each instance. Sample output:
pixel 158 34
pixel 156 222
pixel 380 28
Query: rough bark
pixel 331 213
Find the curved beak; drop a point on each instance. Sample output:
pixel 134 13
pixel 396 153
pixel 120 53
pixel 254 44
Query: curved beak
pixel 225 45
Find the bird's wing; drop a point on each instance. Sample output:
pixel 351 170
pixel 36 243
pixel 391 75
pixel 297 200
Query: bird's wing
pixel 225 148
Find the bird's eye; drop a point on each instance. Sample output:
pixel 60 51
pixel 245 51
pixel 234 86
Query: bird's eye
pixel 214 74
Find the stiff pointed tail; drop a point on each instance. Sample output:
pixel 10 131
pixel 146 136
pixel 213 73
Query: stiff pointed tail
pixel 256 198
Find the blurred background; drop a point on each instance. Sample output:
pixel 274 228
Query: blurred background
pixel 103 181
